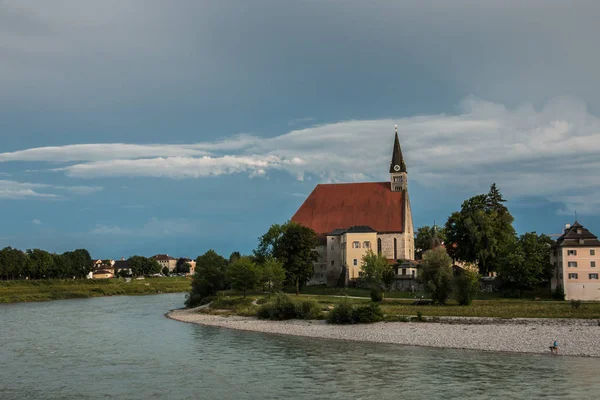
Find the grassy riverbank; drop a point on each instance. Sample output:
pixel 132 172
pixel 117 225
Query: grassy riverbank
pixel 397 308
pixel 56 289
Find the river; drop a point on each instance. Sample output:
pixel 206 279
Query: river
pixel 124 348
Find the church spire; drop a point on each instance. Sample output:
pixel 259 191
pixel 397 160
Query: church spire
pixel 397 164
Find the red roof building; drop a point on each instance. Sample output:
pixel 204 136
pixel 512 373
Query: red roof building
pixel 352 216
pixel 334 206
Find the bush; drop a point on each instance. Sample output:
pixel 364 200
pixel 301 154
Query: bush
pixel 345 313
pixel 308 309
pixel 341 313
pixel 575 304
pixel 367 314
pixel 559 293
pixel 193 300
pixel 282 307
pixel 420 316
pixel 376 295
pixel 466 286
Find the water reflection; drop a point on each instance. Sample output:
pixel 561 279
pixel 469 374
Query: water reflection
pixel 123 347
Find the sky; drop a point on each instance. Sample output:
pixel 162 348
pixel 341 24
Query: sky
pixel 146 126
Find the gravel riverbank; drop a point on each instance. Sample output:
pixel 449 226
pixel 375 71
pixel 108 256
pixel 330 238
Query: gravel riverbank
pixel 575 337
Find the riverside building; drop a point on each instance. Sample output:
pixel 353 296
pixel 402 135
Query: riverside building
pixel 576 258
pixel 352 218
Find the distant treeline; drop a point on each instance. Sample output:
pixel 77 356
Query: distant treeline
pixel 40 264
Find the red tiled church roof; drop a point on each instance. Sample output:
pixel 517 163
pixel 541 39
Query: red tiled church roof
pixel 332 206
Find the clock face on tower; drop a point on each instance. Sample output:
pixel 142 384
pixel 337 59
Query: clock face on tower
pixel 396 168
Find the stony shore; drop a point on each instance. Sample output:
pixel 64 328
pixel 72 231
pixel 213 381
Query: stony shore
pixel 575 337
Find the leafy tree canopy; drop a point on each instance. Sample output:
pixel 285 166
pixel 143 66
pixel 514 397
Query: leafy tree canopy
pixel 436 274
pixel 243 274
pixel 208 278
pixel 481 232
pixel 272 274
pixel 295 246
pixel 527 264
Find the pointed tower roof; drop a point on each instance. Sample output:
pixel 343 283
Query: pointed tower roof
pixel 397 158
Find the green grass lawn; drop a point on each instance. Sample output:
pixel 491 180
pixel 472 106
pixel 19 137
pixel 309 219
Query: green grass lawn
pixel 499 308
pixel 394 308
pixel 55 289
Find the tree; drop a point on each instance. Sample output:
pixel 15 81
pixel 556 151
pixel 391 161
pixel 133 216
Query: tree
pixel 272 274
pixel 184 269
pixel 527 264
pixel 233 257
pixel 294 245
pixel 165 271
pixel 14 264
pixel 143 266
pixel 481 232
pixel 243 274
pixel 426 237
pixel 466 286
pixel 43 262
pixel 436 274
pixel 268 244
pixel 208 278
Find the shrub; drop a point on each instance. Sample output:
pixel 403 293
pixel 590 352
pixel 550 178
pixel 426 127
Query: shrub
pixel 376 295
pixel 282 307
pixel 345 313
pixel 341 313
pixel 308 309
pixel 575 304
pixel 367 314
pixel 420 317
pixel 193 299
pixel 466 286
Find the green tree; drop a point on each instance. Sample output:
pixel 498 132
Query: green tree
pixel 295 246
pixel 165 271
pixel 243 274
pixel 466 286
pixel 208 278
pixel 143 266
pixel 436 274
pixel 272 274
pixel 14 264
pixel 481 232
pixel 185 268
pixel 376 270
pixel 233 257
pixel 527 264
pixel 43 262
pixel 268 244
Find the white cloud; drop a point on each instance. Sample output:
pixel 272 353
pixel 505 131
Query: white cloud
pixel 155 227
pixel 36 221
pixel 22 190
pixel 552 152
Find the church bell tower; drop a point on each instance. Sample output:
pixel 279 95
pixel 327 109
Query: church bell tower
pixel 398 175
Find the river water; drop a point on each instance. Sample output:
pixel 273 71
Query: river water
pixel 124 348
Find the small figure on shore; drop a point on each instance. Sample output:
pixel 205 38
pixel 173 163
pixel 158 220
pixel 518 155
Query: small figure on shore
pixel 554 348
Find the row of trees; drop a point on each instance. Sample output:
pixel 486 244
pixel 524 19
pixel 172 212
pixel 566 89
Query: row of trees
pixel 284 256
pixel 40 264
pixel 243 273
pixel 481 233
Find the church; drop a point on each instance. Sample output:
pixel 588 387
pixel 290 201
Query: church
pixel 352 218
